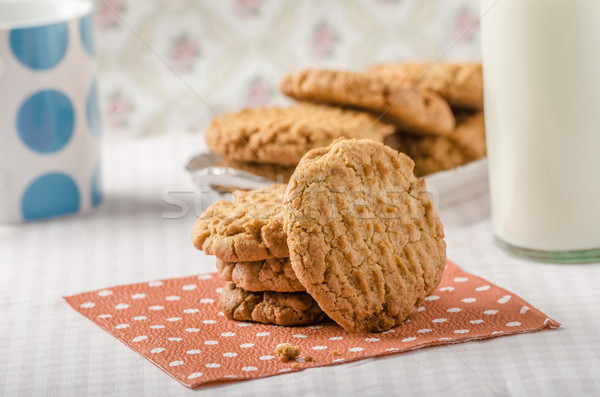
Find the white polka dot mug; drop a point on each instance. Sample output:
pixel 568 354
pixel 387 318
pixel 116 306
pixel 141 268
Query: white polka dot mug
pixel 49 119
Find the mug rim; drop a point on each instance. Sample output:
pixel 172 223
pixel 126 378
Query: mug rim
pixel 65 10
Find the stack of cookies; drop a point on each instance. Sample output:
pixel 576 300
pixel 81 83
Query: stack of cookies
pixel 246 235
pixel 461 86
pixel 431 112
pixel 354 237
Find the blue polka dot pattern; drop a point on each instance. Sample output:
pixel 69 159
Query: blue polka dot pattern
pixel 86 28
pixel 50 195
pixel 45 121
pixel 93 114
pixel 41 47
pixel 96 187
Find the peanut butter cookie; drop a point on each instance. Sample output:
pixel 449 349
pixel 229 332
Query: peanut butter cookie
pixel 274 135
pixel 412 108
pixel 364 237
pixel 433 154
pixel 461 84
pixel 249 228
pixel 280 308
pixel 269 275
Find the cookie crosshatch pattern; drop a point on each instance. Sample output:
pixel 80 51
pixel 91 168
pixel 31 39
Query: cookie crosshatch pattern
pixel 370 264
pixel 177 325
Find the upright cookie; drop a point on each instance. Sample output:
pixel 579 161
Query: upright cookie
pixel 249 228
pixel 433 154
pixel 413 108
pixel 269 275
pixel 274 135
pixel 461 84
pixel 280 308
pixel 364 237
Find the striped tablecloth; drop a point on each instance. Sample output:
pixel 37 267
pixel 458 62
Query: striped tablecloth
pixel 46 348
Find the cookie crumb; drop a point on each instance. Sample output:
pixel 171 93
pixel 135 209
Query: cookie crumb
pixel 286 352
pixel 308 359
pixel 335 353
pixel 295 365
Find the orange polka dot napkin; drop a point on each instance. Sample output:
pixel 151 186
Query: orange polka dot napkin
pixel 178 326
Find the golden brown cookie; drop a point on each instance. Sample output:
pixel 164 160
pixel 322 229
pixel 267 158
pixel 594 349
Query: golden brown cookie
pixel 365 239
pixel 433 154
pixel 280 308
pixel 274 135
pixel 461 84
pixel 249 228
pixel 274 274
pixel 413 108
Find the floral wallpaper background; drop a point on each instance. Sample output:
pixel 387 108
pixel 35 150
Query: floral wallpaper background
pixel 170 65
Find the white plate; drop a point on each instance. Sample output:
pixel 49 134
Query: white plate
pixel 457 184
pixel 445 187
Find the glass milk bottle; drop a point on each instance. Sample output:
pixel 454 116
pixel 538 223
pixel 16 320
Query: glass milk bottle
pixel 541 63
